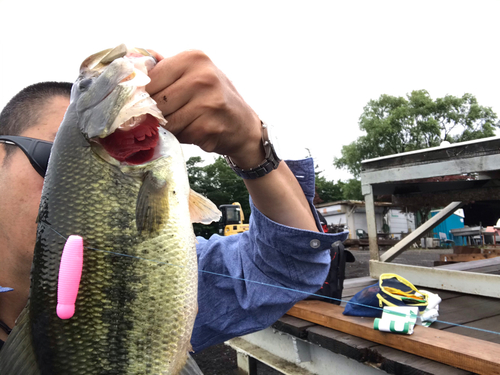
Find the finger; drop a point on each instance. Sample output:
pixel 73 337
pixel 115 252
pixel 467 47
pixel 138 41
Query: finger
pixel 172 98
pixel 182 118
pixel 170 69
pixel 203 123
pixel 155 54
pixel 204 130
pixel 214 133
pixel 196 83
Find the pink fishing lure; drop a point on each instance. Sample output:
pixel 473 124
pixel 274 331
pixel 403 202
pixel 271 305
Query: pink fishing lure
pixel 70 273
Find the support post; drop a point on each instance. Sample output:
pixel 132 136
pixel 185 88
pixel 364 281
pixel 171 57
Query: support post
pixel 247 365
pixel 370 220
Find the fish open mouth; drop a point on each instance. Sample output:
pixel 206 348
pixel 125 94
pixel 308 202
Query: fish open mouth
pixel 135 145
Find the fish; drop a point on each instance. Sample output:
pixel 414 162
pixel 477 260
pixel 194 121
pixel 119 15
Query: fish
pixel 117 179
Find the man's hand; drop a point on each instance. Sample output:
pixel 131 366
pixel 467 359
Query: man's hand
pixel 202 107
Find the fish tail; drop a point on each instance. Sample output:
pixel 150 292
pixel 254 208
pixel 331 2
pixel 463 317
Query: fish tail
pixel 17 355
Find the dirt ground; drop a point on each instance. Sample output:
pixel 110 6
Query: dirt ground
pixel 221 359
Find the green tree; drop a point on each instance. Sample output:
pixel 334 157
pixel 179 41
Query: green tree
pixel 220 184
pixel 331 191
pixel 396 124
pixel 351 189
pixel 327 191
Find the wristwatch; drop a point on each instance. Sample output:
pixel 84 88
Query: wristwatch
pixel 269 164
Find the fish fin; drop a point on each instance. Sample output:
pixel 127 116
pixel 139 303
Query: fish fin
pixel 190 368
pixel 103 57
pixel 152 203
pixel 201 209
pixel 17 355
pixel 115 53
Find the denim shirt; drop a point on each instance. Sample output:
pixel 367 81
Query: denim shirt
pixel 269 253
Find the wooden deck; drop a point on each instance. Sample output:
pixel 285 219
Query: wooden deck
pixel 316 338
pixel 464 309
pixel 462 348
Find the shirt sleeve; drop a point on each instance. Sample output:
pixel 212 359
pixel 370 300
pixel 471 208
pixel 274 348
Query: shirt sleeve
pixel 249 280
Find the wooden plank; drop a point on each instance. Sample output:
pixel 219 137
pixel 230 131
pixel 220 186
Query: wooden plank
pixel 452 167
pixel 398 362
pixel 293 326
pixel 492 270
pixel 438 263
pixel 466 250
pixel 491 251
pixel 465 257
pixel 466 309
pixel 490 324
pixel 465 353
pixel 472 266
pixel 387 359
pixel 341 343
pixel 476 249
pixel 471 149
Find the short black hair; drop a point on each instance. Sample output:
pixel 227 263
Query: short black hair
pixel 25 107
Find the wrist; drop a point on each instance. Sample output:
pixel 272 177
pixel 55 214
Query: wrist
pixel 250 157
pixel 257 160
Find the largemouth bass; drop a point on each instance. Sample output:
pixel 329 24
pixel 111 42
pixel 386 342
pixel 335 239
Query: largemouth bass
pixel 117 179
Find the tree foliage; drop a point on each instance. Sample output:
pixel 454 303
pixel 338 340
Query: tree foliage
pixel 331 191
pixel 352 190
pixel 327 191
pixel 397 124
pixel 220 184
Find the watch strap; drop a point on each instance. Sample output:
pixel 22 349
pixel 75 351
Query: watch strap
pixel 269 164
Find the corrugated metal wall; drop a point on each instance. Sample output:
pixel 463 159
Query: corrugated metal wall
pixel 452 222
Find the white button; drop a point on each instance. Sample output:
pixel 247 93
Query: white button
pixel 315 244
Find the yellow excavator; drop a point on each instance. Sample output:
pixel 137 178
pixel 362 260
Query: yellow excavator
pixel 232 219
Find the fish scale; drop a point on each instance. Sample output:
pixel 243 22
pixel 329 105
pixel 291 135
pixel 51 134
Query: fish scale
pixel 131 316
pixel 131 307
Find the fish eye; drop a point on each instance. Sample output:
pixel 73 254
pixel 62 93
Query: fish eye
pixel 84 84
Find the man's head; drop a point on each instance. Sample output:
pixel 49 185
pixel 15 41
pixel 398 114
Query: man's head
pixel 23 110
pixel 35 112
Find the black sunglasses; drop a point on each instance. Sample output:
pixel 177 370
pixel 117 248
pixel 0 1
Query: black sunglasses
pixel 36 150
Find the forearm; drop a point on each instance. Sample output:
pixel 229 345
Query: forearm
pixel 279 196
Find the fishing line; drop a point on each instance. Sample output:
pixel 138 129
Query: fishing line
pixel 263 283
